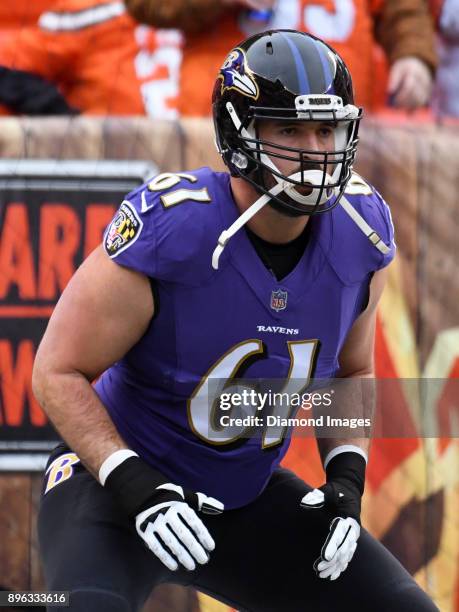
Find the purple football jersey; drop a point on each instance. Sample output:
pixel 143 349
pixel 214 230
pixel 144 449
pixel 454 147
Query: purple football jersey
pixel 211 325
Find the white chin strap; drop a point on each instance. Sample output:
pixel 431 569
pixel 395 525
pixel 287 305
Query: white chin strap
pixel 241 221
pixel 224 237
pixel 281 185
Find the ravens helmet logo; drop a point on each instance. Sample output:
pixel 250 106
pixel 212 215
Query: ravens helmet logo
pixel 236 74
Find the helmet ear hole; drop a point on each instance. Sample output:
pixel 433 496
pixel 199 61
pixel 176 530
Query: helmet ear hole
pixel 239 160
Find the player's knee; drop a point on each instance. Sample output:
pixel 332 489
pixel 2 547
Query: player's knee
pixel 92 600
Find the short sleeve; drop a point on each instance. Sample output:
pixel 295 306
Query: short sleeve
pixel 169 233
pixel 130 237
pixel 357 236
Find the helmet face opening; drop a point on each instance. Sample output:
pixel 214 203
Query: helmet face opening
pixel 286 76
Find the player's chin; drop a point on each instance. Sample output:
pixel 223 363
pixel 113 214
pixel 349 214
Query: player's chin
pixel 283 203
pixel 288 207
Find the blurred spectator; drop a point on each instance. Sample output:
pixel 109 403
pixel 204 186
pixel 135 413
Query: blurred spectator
pixel 405 30
pixel 403 27
pixel 446 97
pixel 95 55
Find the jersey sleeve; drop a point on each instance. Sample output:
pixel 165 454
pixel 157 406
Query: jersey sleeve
pixel 358 239
pixel 377 250
pixel 130 238
pixel 380 220
pixel 168 234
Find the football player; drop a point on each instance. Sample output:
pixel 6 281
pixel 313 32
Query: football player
pixel 203 278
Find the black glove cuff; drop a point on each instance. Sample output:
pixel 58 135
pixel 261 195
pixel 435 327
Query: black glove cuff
pixel 133 484
pixel 349 466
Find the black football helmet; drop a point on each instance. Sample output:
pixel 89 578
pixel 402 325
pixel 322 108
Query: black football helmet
pixel 286 75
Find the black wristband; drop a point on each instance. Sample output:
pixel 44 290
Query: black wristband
pixel 349 466
pixel 133 484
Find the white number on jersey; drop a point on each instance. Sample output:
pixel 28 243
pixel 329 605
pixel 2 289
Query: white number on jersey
pixel 168 180
pixel 205 401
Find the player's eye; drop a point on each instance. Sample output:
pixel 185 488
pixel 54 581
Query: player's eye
pixel 289 130
pixel 325 131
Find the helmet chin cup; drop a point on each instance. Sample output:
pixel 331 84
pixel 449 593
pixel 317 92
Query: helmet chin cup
pixel 313 179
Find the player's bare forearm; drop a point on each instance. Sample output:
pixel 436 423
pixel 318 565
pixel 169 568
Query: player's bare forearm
pixel 79 416
pixel 102 313
pixel 354 389
pixel 356 400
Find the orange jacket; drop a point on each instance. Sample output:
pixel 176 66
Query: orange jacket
pixel 347 25
pixel 16 14
pixel 100 58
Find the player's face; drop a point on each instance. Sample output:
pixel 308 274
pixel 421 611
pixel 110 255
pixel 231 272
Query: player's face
pixel 308 136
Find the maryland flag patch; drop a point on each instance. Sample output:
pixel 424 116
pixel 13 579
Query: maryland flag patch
pixel 123 230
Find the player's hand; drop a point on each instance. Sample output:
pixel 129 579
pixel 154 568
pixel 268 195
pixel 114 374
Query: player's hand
pixel 173 531
pixel 341 542
pixel 410 83
pixel 164 513
pixel 341 496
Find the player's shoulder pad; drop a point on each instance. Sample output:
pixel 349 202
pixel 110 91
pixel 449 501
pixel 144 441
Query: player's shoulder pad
pixel 351 253
pixel 169 227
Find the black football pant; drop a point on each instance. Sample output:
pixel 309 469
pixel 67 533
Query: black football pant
pixel 262 561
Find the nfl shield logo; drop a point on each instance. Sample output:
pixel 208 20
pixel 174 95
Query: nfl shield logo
pixel 279 300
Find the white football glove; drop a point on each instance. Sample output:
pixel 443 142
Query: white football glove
pixel 342 496
pixel 164 513
pixel 173 531
pixel 341 542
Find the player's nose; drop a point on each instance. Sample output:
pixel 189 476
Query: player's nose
pixel 309 142
pixel 311 161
